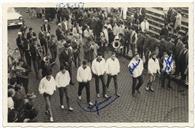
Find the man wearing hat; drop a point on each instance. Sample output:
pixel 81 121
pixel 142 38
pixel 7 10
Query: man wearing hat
pixel 153 69
pixel 136 69
pixel 65 58
pixel 99 69
pixel 46 26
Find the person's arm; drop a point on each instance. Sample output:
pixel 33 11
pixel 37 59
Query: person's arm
pixel 78 75
pixel 150 66
pixel 93 67
pixel 106 66
pixel 158 66
pixel 41 87
pixel 118 66
pixel 57 79
pixel 68 77
pixel 90 74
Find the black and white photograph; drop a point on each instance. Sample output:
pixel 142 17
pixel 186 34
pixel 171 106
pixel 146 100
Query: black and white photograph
pixel 76 64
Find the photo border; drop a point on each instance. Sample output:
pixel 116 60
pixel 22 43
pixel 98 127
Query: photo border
pixel 103 124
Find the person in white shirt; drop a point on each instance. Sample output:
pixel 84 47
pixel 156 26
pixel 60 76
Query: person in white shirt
pixel 84 77
pixel 63 80
pixel 47 86
pixel 144 26
pixel 178 19
pixel 98 69
pixel 116 29
pixel 112 70
pixel 153 69
pixel 136 68
pixel 168 66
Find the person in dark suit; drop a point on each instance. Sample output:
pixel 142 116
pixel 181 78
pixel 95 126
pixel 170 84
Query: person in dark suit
pixel 46 26
pixel 65 58
pixel 20 43
pixel 53 47
pixel 27 53
pixel 59 32
pixel 42 39
pixel 164 31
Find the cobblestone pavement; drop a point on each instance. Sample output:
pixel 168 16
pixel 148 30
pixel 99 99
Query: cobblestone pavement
pixel 161 106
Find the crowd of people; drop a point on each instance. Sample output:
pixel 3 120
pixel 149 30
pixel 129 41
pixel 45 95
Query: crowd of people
pixel 92 32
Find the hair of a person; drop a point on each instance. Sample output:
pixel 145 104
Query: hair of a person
pixel 48 71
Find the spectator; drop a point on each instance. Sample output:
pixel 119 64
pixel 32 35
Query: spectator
pixel 145 26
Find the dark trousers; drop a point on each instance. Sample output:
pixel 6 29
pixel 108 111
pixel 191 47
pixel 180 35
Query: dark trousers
pixel 87 87
pixel 115 82
pixel 101 77
pixel 35 66
pixel 53 51
pixel 28 59
pixel 77 59
pixel 63 90
pixel 164 77
pixel 136 85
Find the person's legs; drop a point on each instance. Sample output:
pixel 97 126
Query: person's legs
pixel 48 104
pixel 149 82
pixel 65 89
pixel 169 81
pixel 87 87
pixel 163 75
pixel 103 85
pixel 108 81
pixel 80 88
pixel 116 84
pixel 61 94
pixel 97 84
pixel 140 79
pixel 133 86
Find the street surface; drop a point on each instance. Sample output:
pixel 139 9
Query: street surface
pixel 163 105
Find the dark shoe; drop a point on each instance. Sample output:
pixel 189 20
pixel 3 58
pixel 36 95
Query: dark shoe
pixel 47 113
pixel 138 91
pixel 151 89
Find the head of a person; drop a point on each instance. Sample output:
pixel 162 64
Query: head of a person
pixel 20 62
pixel 45 21
pixel 137 56
pixel 113 56
pixel 153 55
pixel 59 25
pixel 19 34
pixel 63 68
pixel 52 37
pixel 48 73
pixel 145 19
pixel 30 29
pixel 11 92
pixel 66 45
pixel 99 56
pixel 84 64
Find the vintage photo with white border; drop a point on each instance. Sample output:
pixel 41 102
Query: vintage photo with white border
pixel 98 64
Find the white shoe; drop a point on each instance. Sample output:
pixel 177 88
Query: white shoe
pixel 98 95
pixel 51 119
pixel 79 97
pixel 70 109
pixel 90 104
pixel 147 88
pixel 62 106
pixel 105 96
pixel 151 89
